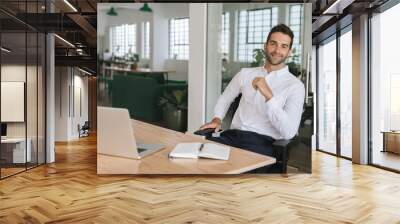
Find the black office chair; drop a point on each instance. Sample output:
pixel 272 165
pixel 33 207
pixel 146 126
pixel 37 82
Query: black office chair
pixel 281 147
pixel 84 130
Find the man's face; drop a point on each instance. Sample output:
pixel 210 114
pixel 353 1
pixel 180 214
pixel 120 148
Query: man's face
pixel 277 49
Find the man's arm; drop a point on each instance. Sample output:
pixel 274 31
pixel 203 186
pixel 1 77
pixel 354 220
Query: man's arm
pixel 287 119
pixel 224 101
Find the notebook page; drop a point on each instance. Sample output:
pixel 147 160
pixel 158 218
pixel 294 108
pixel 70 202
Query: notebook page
pixel 215 151
pixel 186 150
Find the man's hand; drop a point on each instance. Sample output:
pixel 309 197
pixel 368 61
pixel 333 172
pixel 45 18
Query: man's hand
pixel 259 83
pixel 215 123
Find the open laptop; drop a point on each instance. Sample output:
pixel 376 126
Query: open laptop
pixel 115 135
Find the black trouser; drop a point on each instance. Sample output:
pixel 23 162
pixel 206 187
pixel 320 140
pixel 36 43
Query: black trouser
pixel 250 141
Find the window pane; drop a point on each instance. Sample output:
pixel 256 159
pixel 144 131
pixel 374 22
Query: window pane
pixel 385 85
pixel 253 28
pixel 225 34
pixel 295 18
pixel 179 38
pixel 346 94
pixel 327 97
pixel 123 39
pixel 146 39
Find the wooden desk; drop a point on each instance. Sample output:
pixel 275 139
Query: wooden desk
pixel 240 161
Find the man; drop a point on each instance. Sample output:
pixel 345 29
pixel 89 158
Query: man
pixel 272 100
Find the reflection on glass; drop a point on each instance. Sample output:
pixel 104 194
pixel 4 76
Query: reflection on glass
pixel 346 94
pixel 14 151
pixel 385 84
pixel 327 97
pixel 22 91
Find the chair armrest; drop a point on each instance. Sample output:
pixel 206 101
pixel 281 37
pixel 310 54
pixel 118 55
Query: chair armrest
pixel 281 150
pixel 282 143
pixel 205 132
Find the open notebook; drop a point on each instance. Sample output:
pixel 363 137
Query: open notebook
pixel 197 149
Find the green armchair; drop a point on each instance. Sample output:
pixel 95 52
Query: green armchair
pixel 141 95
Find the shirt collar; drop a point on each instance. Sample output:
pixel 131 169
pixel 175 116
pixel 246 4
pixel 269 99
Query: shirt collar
pixel 279 72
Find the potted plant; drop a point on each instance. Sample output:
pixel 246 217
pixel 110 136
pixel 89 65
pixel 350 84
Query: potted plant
pixel 174 106
pixel 258 57
pixel 133 60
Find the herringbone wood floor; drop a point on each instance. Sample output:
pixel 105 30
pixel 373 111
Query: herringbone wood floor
pixel 69 191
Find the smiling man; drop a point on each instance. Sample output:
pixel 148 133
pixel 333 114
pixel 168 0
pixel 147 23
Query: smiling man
pixel 272 100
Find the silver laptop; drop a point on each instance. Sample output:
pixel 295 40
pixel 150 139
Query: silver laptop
pixel 115 135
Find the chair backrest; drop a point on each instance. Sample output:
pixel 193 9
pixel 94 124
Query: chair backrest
pixel 86 125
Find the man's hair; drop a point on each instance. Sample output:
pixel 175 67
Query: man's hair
pixel 282 28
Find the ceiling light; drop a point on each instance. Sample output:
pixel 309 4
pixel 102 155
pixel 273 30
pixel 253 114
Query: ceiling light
pixel 86 72
pixel 146 8
pixel 5 50
pixel 65 41
pixel 112 12
pixel 337 7
pixel 70 5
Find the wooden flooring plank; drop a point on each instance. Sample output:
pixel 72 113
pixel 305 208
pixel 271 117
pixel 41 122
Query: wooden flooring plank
pixel 70 191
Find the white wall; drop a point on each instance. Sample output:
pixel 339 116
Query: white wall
pixel 214 63
pixel 67 116
pixel 197 66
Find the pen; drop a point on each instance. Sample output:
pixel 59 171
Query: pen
pixel 201 147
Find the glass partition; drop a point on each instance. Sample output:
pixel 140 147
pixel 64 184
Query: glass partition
pixel 22 90
pixel 385 89
pixel 327 96
pixel 14 153
pixel 346 93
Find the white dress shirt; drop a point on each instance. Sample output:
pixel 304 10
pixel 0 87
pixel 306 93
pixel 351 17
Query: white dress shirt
pixel 279 117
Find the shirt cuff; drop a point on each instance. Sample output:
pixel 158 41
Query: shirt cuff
pixel 218 116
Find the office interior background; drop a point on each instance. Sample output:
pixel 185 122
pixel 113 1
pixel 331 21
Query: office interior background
pixel 49 79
